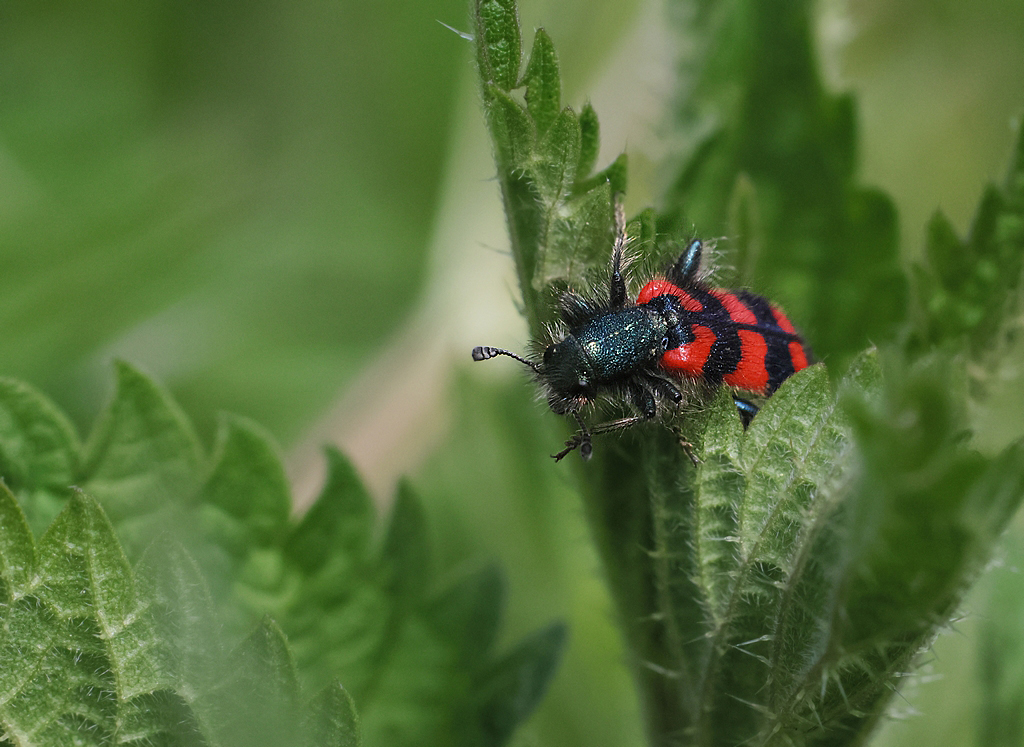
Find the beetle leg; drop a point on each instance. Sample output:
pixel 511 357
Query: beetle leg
pixel 684 271
pixel 746 409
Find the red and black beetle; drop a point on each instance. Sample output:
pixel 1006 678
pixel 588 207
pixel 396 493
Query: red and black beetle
pixel 679 328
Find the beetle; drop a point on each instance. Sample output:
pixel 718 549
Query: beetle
pixel 640 352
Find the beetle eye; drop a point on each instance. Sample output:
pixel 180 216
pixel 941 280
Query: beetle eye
pixel 664 343
pixel 548 352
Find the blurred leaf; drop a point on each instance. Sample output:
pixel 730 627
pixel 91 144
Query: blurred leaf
pixel 38 452
pixel 1000 721
pixel 223 554
pixel 142 460
pixel 513 687
pixel 248 484
pixel 181 189
pixel 404 557
pixel 17 549
pixel 967 292
pixel 193 644
pixel 332 721
pixel 530 520
pixel 258 697
pixel 342 518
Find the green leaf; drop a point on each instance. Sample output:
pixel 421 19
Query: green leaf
pixel 512 129
pixel 184 617
pixel 80 662
pixel 590 141
pixel 967 291
pixel 511 689
pixel 755 494
pixel 247 486
pixel 557 157
pixel 543 83
pixel 541 154
pixel 498 42
pixel 908 535
pixel 1001 654
pixel 578 242
pixel 17 549
pixel 332 719
pixel 93 651
pixel 38 452
pixel 243 512
pixel 80 552
pixel 468 612
pixel 340 522
pixel 257 700
pixel 142 460
pixel 720 483
pixel 405 557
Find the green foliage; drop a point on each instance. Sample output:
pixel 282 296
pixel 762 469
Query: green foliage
pixel 194 190
pixel 1001 655
pixel 967 291
pixel 563 217
pixel 233 612
pixel 777 593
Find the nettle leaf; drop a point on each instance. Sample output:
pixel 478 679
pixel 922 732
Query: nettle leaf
pixel 79 659
pixel 544 154
pixel 354 610
pixel 259 697
pixel 557 157
pixel 543 83
pixel 967 290
pixel 17 548
pixel 38 452
pixel 343 517
pixel 80 552
pixel 590 141
pixel 412 656
pixel 332 719
pixel 93 646
pixel 243 509
pixel 142 461
pixel 579 241
pixel 511 689
pixel 499 43
pixel 515 130
pixel 185 618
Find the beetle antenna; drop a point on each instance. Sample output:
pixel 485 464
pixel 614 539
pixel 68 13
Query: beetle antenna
pixel 482 353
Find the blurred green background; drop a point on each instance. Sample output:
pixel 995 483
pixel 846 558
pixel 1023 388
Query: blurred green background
pixel 284 210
